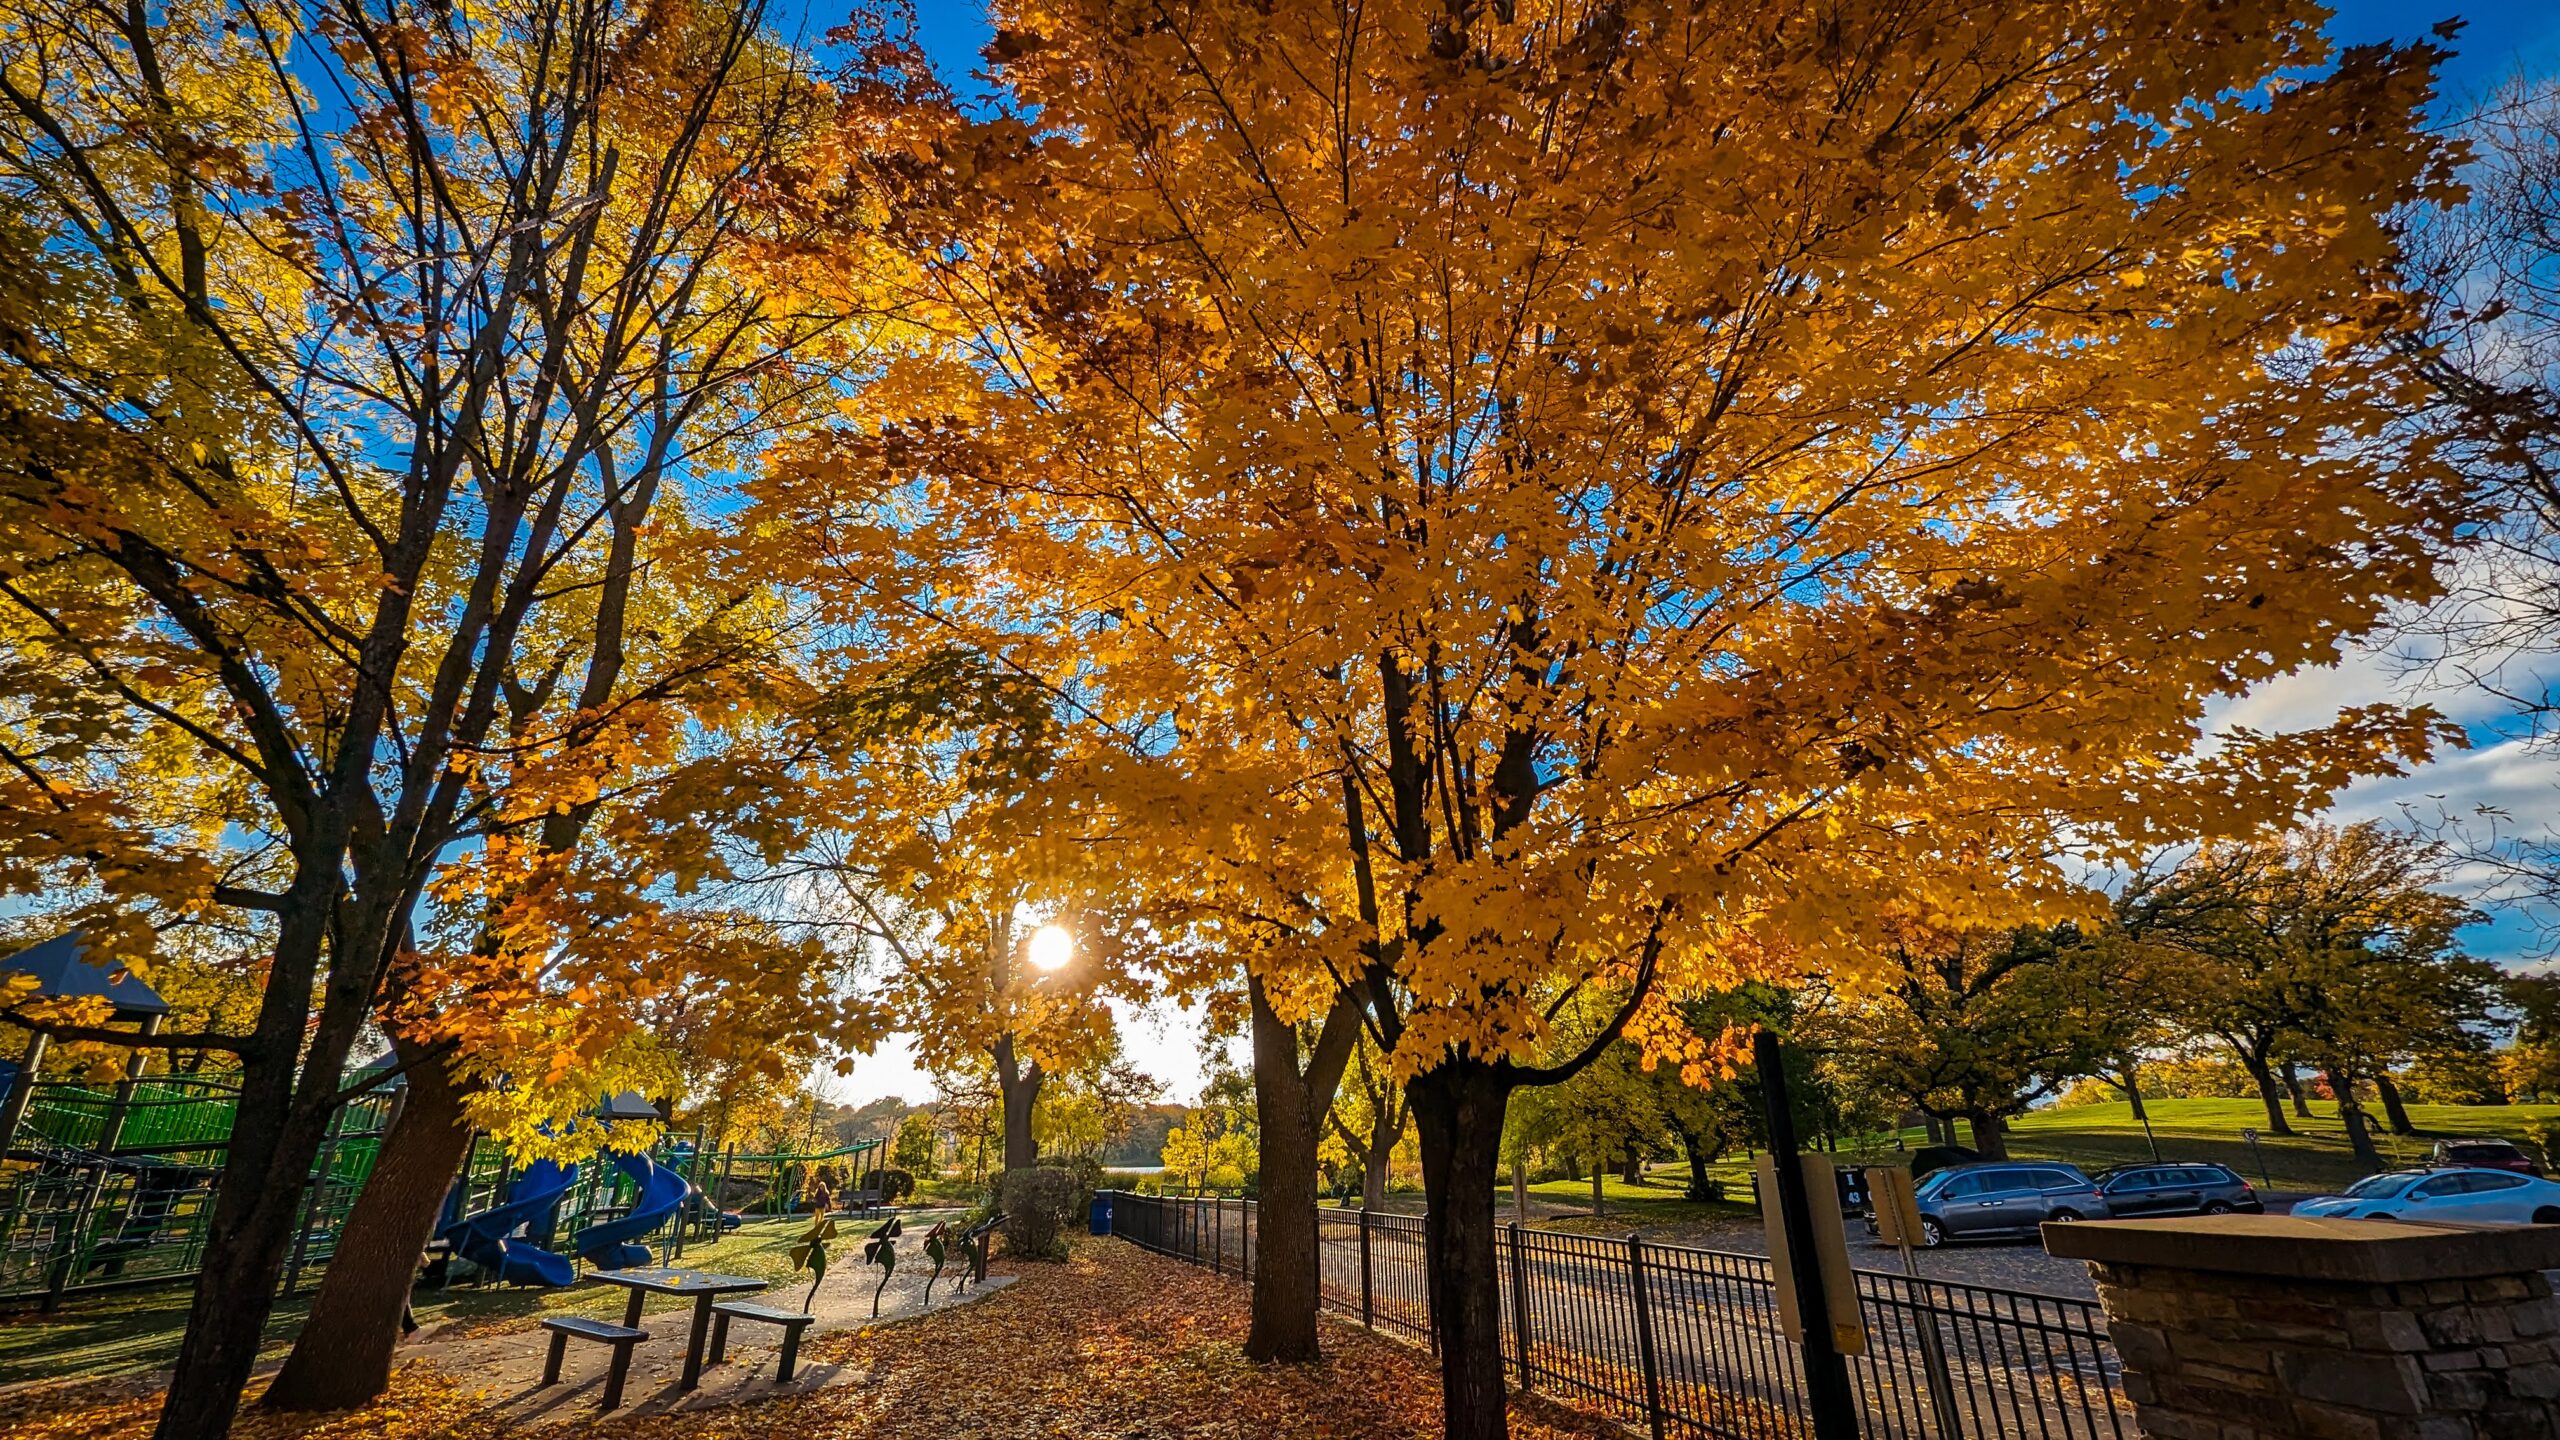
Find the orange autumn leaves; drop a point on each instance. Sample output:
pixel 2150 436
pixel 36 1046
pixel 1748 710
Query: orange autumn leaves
pixel 1510 491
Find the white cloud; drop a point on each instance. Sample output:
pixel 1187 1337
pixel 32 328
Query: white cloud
pixel 2516 782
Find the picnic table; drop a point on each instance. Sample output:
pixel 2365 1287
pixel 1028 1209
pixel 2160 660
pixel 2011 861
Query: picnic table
pixel 703 1286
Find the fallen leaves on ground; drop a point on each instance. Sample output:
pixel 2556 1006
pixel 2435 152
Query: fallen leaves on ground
pixel 1116 1344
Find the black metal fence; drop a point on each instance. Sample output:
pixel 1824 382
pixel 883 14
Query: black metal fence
pixel 1685 1342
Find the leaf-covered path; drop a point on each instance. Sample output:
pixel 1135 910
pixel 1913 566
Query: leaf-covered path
pixel 1115 1345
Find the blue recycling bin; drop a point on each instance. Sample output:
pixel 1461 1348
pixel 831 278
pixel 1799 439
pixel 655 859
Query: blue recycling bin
pixel 1099 1219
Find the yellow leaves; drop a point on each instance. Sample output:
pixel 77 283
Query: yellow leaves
pixel 1822 620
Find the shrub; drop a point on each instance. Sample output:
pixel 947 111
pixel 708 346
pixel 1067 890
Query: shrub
pixel 895 1185
pixel 1042 1204
pixel 2546 1138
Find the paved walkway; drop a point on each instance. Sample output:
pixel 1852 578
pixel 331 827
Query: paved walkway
pixel 504 1367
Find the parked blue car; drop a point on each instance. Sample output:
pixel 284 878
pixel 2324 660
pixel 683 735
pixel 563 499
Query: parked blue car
pixel 2462 1197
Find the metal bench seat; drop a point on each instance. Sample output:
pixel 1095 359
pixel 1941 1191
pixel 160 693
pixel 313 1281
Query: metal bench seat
pixel 620 1337
pixel 793 1322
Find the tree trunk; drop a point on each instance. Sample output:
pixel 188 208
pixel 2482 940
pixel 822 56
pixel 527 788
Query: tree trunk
pixel 1599 1184
pixel 1634 1172
pixel 2394 1108
pixel 1519 1190
pixel 1457 1109
pixel 342 1357
pixel 277 1128
pixel 2264 1076
pixel 1019 1087
pixel 2293 1087
pixel 1373 1176
pixel 2132 1087
pixel 1285 1266
pixel 2351 1114
pixel 1990 1135
pixel 1695 1148
pixel 1291 1103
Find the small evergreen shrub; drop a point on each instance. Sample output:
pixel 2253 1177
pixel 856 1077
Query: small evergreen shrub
pixel 1042 1205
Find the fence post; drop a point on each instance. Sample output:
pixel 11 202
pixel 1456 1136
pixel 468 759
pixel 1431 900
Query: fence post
pixel 1368 1316
pixel 1520 1303
pixel 1933 1354
pixel 1644 1335
pixel 1831 1405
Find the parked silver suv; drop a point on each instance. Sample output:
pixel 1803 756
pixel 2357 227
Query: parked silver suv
pixel 2003 1200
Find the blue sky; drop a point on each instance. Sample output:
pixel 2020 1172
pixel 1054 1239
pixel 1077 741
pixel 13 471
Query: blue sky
pixel 2499 36
pixel 2498 40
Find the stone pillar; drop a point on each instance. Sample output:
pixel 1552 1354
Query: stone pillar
pixel 2264 1327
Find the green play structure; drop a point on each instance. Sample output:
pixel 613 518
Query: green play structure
pixel 110 1186
pixel 113 1187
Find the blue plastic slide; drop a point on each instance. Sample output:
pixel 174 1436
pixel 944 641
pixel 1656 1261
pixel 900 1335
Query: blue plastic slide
pixel 609 1245
pixel 482 1238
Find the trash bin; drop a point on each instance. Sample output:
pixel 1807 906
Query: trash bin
pixel 1100 1217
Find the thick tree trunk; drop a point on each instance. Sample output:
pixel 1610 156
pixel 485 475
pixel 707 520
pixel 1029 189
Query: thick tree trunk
pixel 2132 1088
pixel 244 1258
pixel 2351 1114
pixel 1457 1109
pixel 1599 1187
pixel 1292 1103
pixel 1633 1174
pixel 2395 1108
pixel 342 1357
pixel 1990 1135
pixel 277 1128
pixel 1519 1189
pixel 1019 1087
pixel 1285 1266
pixel 2264 1076
pixel 1373 1176
pixel 1695 1148
pixel 2293 1087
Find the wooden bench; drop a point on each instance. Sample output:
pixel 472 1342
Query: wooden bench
pixel 620 1337
pixel 791 1321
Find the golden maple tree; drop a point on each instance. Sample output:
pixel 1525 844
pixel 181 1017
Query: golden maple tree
pixel 1529 499
pixel 370 379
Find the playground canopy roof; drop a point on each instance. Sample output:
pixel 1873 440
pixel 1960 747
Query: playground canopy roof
pixel 63 971
pixel 629 1105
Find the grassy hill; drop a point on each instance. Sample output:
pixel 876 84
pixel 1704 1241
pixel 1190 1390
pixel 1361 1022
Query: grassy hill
pixel 2315 1159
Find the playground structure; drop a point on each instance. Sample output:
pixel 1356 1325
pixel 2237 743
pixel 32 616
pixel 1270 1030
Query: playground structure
pixel 115 1189
pixel 112 1188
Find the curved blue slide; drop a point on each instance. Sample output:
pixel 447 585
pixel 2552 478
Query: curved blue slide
pixel 482 1238
pixel 609 1246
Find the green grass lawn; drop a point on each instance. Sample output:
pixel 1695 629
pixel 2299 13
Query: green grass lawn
pixel 2315 1158
pixel 120 1334
pixel 1628 1207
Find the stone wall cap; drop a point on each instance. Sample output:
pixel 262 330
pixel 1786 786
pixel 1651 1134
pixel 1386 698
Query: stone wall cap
pixel 2372 1252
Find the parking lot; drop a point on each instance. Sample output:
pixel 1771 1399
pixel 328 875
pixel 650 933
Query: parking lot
pixel 2007 1265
